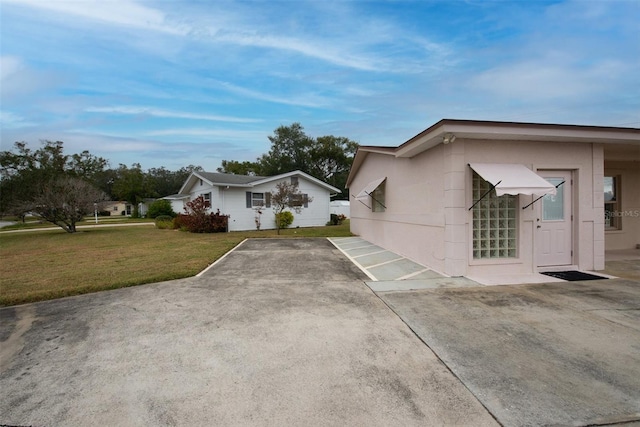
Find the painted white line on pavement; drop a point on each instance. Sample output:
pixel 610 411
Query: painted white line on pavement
pixel 357 264
pixel 220 259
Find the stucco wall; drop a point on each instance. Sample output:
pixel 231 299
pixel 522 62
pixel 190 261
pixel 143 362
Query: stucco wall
pixel 428 196
pixel 582 159
pixel 413 222
pixel 629 236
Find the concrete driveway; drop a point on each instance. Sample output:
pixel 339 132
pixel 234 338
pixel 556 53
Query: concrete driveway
pixel 280 332
pixel 545 354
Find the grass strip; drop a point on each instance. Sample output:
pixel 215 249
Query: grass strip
pixel 45 265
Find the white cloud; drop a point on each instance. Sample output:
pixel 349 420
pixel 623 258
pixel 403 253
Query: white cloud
pixel 115 12
pixel 9 120
pixel 9 65
pixel 306 100
pixel 305 47
pixel 541 79
pixel 17 79
pixel 157 112
pixel 229 134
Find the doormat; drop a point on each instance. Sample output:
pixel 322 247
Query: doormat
pixel 573 276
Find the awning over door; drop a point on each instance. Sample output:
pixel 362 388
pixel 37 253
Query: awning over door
pixel 370 188
pixel 512 178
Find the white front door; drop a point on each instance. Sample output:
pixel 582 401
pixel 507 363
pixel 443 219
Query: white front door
pixel 553 240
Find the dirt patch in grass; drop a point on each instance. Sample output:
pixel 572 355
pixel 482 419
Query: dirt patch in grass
pixel 43 265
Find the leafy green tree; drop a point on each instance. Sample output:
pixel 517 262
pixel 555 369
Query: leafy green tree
pixel 26 174
pixel 290 150
pixel 327 158
pixel 163 182
pixel 240 168
pixel 331 158
pixel 132 185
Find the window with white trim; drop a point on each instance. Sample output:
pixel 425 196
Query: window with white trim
pixel 207 199
pixel 494 222
pixel 257 199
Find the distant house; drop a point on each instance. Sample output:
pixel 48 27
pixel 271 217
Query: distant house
pixel 116 207
pixel 243 197
pixel 475 198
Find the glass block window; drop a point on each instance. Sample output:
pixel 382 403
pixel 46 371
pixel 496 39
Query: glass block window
pixel 494 222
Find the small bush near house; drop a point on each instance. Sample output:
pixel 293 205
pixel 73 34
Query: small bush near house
pixel 160 207
pixel 198 220
pixel 177 223
pixel 164 222
pixel 336 219
pixel 210 223
pixel 284 219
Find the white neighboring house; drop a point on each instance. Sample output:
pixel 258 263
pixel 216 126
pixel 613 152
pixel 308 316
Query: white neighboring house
pixel 241 196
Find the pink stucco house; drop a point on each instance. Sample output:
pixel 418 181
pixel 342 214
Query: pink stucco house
pixel 478 198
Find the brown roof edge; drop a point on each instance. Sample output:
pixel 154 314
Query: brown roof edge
pixel 487 123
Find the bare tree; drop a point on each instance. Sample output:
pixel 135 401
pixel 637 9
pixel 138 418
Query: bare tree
pixel 65 200
pixel 287 196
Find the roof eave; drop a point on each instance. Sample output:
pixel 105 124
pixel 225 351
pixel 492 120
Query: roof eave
pixel 299 173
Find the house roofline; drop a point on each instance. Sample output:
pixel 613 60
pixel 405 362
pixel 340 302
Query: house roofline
pixel 298 173
pixel 496 130
pixel 259 180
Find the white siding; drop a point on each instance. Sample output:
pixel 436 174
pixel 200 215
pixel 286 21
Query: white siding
pixel 232 201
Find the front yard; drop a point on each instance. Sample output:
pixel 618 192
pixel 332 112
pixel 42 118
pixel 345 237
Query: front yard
pixel 41 265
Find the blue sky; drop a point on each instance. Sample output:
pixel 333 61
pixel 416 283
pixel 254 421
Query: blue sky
pixel 178 82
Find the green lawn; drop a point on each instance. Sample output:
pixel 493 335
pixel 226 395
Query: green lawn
pixel 41 265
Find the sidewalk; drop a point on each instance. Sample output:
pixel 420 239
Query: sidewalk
pixel 389 271
pixel 79 227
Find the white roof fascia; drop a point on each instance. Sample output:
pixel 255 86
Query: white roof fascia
pixel 297 173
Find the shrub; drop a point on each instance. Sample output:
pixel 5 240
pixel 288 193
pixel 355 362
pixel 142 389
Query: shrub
pixel 164 222
pixel 284 219
pixel 337 219
pixel 197 220
pixel 160 207
pixel 178 224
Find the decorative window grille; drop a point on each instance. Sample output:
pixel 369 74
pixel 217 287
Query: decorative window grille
pixel 494 223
